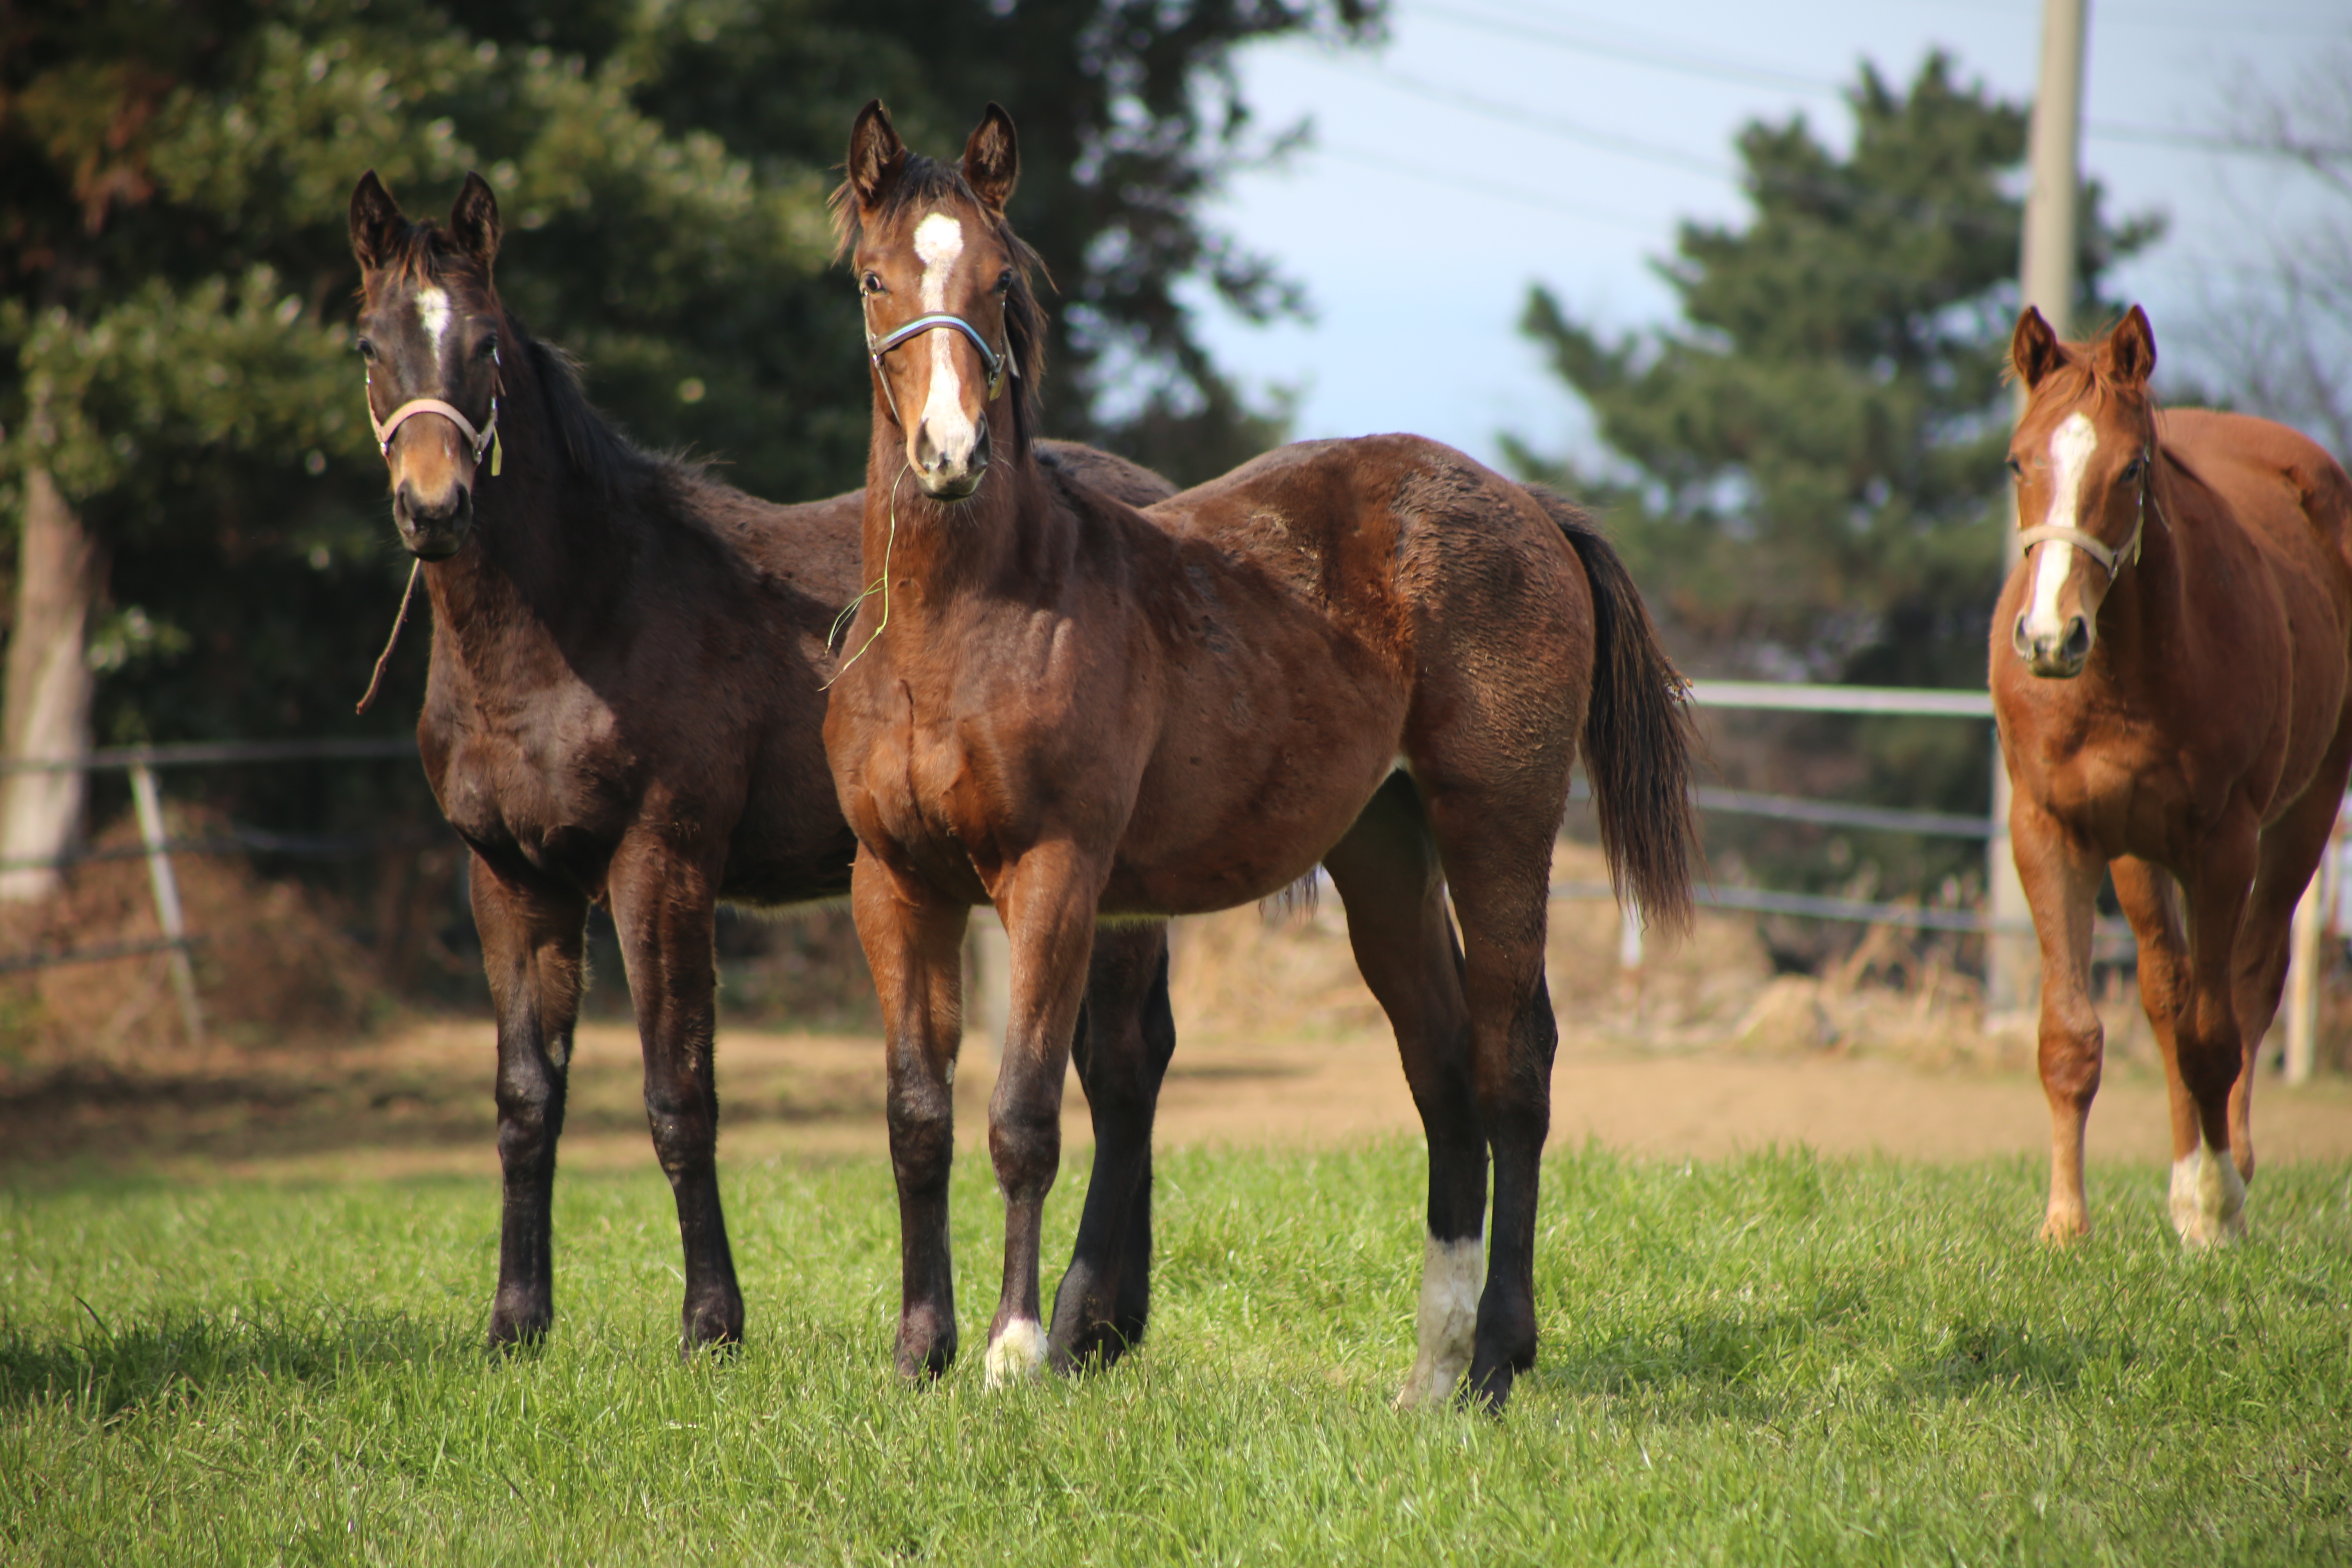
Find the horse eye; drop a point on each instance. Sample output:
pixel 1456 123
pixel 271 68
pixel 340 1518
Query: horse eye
pixel 1004 281
pixel 2131 469
pixel 366 349
pixel 490 348
pixel 874 283
pixel 2016 467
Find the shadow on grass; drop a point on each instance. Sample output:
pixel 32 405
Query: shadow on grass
pixel 1765 1365
pixel 108 1372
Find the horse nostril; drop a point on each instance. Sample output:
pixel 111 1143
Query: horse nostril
pixel 2078 637
pixel 2016 637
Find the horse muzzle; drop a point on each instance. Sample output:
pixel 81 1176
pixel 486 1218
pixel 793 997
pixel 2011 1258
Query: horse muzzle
pixel 435 530
pixel 945 474
pixel 2054 655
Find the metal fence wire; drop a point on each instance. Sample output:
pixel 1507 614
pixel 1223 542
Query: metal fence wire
pixel 141 763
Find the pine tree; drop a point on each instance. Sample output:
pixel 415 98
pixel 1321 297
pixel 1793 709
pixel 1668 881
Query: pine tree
pixel 183 450
pixel 1805 469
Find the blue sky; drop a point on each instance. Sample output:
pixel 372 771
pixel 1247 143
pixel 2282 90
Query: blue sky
pixel 1493 143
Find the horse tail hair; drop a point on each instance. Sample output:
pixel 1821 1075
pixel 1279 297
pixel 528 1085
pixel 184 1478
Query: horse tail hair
pixel 1637 734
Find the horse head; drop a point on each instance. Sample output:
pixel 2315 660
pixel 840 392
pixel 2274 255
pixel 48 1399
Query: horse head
pixel 428 329
pixel 944 283
pixel 2081 456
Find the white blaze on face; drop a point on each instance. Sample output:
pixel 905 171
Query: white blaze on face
pixel 1451 1275
pixel 2071 447
pixel 939 245
pixel 432 314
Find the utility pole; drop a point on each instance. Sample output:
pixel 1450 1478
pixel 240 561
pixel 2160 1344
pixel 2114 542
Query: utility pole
pixel 2047 279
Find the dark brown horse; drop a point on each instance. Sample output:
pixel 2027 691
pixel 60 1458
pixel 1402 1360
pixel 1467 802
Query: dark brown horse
pixel 1372 654
pixel 625 706
pixel 2170 674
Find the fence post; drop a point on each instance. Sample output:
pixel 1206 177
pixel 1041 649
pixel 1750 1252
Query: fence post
pixel 167 898
pixel 988 982
pixel 2311 922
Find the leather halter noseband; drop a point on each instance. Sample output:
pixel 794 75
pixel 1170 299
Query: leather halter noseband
pixel 483 441
pixel 996 364
pixel 2111 559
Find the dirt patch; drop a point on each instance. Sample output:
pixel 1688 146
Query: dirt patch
pixel 1699 1051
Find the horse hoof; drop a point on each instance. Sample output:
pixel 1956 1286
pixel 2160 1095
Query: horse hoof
pixel 517 1327
pixel 2208 1201
pixel 2064 1229
pixel 1017 1354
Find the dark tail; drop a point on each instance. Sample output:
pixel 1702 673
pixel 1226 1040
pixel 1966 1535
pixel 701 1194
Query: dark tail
pixel 1636 734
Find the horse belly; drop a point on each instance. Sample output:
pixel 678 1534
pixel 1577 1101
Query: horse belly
pixel 1230 811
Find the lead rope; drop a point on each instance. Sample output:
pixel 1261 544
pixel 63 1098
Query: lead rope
pixel 880 585
pixel 384 444
pixel 375 681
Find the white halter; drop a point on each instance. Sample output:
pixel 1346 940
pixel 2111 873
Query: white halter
pixel 485 440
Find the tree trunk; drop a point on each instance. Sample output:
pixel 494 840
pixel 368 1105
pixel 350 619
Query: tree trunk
pixel 45 703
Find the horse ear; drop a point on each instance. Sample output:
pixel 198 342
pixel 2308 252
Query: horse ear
pixel 376 222
pixel 991 159
pixel 474 220
pixel 2127 355
pixel 2033 350
pixel 876 154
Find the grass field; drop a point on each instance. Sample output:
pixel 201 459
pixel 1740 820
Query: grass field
pixel 1770 1359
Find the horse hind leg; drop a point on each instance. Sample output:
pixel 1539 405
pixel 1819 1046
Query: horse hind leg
pixel 1388 875
pixel 1495 842
pixel 2288 855
pixel 531 940
pixel 1126 1034
pixel 2208 1195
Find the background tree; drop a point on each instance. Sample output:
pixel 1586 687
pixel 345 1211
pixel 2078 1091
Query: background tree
pixel 202 548
pixel 1805 471
pixel 2279 343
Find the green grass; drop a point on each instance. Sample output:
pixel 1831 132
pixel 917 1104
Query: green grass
pixel 1771 1359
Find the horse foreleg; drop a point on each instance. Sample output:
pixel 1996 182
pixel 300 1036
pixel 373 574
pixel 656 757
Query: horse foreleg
pixel 1386 870
pixel 914 945
pixel 2208 1195
pixel 2151 902
pixel 665 909
pixel 1047 903
pixel 1124 1038
pixel 530 953
pixel 2061 878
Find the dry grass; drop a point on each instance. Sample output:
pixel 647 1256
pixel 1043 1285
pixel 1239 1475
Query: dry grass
pixel 273 965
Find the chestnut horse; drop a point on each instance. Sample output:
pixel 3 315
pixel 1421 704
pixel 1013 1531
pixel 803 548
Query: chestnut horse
pixel 626 705
pixel 2170 676
pixel 1372 654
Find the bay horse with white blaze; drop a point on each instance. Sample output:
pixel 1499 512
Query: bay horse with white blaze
pixel 2170 674
pixel 1375 655
pixel 624 706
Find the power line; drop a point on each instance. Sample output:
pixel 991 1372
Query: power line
pixel 1746 75
pixel 1365 157
pixel 1568 130
pixel 1751 74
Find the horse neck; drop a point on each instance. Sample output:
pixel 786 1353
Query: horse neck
pixel 1007 533
pixel 2143 610
pixel 546 551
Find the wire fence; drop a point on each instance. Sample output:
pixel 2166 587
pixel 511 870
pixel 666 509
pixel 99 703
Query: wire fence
pixel 141 763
